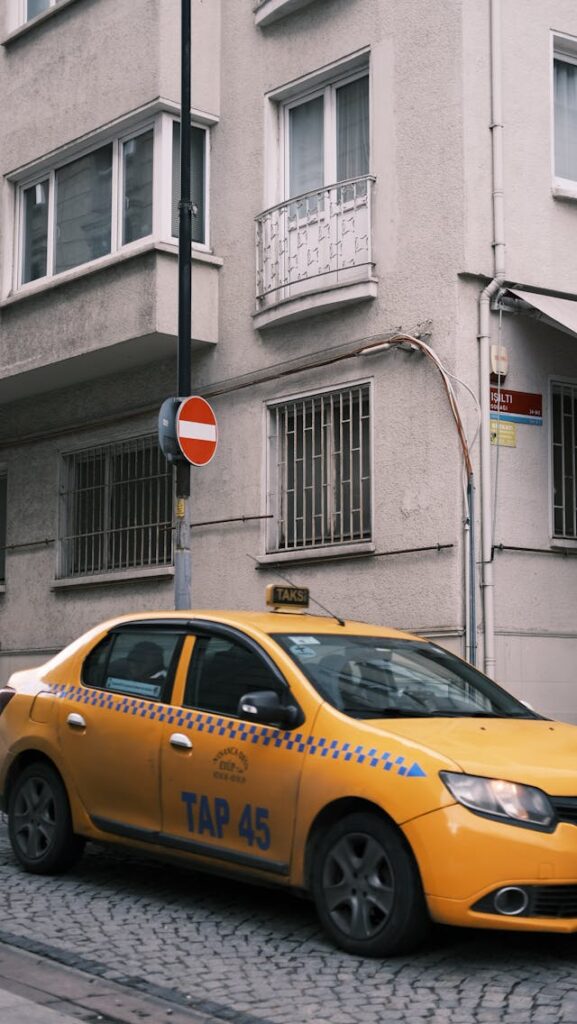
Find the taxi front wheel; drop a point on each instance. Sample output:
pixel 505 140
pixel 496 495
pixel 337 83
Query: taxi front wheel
pixel 39 822
pixel 367 889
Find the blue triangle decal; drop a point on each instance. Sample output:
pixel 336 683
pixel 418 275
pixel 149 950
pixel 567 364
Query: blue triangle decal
pixel 416 770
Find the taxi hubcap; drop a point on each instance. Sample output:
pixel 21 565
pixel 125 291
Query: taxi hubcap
pixel 34 818
pixel 358 885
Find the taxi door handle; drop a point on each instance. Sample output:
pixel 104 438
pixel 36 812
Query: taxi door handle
pixel 76 721
pixel 178 739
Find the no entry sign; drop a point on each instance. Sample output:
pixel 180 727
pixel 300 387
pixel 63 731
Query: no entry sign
pixel 196 430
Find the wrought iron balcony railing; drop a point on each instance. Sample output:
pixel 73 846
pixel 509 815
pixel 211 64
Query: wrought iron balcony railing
pixel 315 241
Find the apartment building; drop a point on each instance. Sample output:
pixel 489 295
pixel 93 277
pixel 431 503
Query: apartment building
pixel 384 317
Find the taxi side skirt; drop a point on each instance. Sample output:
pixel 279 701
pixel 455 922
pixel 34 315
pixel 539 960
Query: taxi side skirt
pixel 172 842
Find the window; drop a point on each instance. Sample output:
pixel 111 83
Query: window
pixel 3 527
pixel 315 237
pixel 80 210
pixel 320 469
pixel 197 185
pixel 565 116
pixel 35 7
pixel 140 664
pixel 327 137
pixel 222 671
pixel 564 430
pixel 116 509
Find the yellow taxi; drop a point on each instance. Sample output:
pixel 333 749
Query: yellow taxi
pixel 364 766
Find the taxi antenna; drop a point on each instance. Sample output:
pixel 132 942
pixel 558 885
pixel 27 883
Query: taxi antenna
pixel 340 621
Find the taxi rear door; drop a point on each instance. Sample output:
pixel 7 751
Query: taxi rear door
pixel 229 787
pixel 110 727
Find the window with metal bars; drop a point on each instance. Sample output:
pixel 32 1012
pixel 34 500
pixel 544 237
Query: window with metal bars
pixel 116 509
pixel 564 429
pixel 320 470
pixel 3 527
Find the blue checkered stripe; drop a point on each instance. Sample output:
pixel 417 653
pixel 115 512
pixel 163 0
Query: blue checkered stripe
pixel 232 729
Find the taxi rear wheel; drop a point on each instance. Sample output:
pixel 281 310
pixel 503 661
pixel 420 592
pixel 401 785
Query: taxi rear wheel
pixel 367 888
pixel 40 823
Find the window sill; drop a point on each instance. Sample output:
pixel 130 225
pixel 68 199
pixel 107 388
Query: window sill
pixel 563 543
pixel 311 556
pixel 29 26
pixel 313 303
pixel 106 579
pixel 565 193
pixel 47 284
pixel 267 11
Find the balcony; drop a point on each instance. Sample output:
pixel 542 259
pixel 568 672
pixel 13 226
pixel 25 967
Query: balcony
pixel 314 253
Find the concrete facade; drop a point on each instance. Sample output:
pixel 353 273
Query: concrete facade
pixel 87 356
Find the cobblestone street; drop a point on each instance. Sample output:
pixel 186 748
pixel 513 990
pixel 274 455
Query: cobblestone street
pixel 251 955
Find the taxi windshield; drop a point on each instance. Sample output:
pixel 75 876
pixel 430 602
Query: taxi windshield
pixel 378 677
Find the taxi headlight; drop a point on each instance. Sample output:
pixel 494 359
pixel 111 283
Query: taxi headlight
pixel 496 798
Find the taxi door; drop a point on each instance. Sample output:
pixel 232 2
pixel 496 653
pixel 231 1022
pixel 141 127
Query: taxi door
pixel 230 787
pixel 110 728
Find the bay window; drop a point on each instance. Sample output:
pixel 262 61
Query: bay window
pixel 101 201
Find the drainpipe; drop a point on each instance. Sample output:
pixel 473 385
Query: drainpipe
pixel 487 581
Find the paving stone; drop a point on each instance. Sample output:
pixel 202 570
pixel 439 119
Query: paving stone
pixel 259 957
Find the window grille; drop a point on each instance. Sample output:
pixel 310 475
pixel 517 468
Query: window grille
pixel 564 402
pixel 320 468
pixel 3 527
pixel 116 509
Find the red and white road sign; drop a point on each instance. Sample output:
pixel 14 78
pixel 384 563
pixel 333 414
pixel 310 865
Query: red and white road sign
pixel 196 430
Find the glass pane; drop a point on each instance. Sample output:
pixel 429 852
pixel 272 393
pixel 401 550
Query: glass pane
pixel 137 198
pixel 306 147
pixel 566 120
pixel 85 514
pixel 35 232
pixel 83 209
pixel 140 664
pixel 222 672
pixel 353 129
pixel 373 677
pixel 34 7
pixel 3 529
pixel 197 174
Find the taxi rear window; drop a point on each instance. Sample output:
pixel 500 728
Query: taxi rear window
pixel 138 664
pixel 378 677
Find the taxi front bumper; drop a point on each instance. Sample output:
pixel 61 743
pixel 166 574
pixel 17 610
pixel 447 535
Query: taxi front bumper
pixel 466 862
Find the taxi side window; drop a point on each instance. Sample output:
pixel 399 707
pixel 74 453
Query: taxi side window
pixel 222 671
pixel 137 664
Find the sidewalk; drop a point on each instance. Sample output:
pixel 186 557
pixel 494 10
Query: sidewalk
pixel 34 990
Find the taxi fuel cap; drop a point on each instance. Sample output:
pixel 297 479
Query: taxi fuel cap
pixel 287 598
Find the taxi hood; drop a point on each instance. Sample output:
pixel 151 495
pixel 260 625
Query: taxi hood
pixel 537 752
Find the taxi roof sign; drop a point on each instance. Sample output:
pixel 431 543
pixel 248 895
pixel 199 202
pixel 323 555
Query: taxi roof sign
pixel 288 598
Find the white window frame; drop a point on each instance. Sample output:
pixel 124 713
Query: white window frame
pixel 354 65
pixel 557 540
pixel 23 11
pixel 563 48
pixel 325 547
pixel 161 125
pixel 329 94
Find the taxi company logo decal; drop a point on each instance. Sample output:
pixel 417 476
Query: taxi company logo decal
pixel 230 765
pixel 233 729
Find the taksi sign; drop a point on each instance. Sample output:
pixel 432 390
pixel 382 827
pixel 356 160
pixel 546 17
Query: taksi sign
pixel 196 430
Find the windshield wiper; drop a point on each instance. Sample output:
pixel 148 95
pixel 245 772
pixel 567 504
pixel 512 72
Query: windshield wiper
pixel 413 713
pixel 386 713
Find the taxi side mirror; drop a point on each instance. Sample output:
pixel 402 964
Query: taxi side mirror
pixel 265 706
